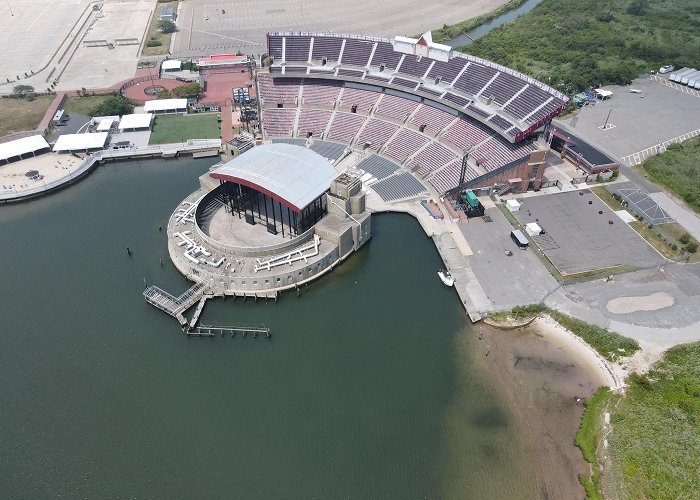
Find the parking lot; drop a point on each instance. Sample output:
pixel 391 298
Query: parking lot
pixel 641 120
pixel 218 26
pixel 583 234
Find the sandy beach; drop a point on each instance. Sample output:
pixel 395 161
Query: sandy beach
pixel 543 374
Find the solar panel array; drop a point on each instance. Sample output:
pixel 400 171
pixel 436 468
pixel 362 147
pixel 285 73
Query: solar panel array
pixel 398 187
pixel 377 166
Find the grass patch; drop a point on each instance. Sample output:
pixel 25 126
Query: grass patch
pixel 518 313
pixel 655 444
pixel 677 169
pixel 83 105
pixel 178 128
pixel 155 34
pixel 20 115
pixel 589 438
pixel 595 42
pixel 610 345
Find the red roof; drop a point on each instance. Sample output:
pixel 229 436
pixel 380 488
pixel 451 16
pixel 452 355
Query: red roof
pixel 224 57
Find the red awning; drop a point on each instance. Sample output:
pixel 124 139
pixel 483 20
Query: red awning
pixel 561 136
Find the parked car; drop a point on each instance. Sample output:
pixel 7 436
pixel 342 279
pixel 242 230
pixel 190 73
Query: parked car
pixel 666 69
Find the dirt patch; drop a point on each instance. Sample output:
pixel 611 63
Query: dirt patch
pixel 653 302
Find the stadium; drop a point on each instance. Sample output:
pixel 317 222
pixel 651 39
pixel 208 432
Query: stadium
pixel 407 118
pixel 424 115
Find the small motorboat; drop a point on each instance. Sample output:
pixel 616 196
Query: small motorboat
pixel 446 277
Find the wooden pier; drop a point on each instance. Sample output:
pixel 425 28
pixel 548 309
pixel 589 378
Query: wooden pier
pixel 213 331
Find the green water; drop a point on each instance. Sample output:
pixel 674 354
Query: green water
pixel 363 391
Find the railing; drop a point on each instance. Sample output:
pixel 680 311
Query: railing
pixel 89 162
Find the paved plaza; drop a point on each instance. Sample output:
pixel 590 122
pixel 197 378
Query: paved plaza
pixel 216 26
pixel 640 121
pixel 509 281
pixel 578 238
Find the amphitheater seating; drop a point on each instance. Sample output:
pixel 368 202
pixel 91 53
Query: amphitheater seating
pixel 351 73
pixel 402 82
pixel 475 78
pixel 297 48
pixel 448 177
pixel 412 66
pixel 321 92
pixel 363 99
pixel 432 158
pixel 447 71
pixel 327 149
pixel 466 75
pixel 396 107
pixel 276 91
pixel 376 132
pixel 498 153
pixel 384 54
pixel 405 144
pixel 465 134
pixel 314 121
pixel 345 126
pixel 531 98
pixel 500 122
pixel 357 52
pixel 278 121
pixel 433 119
pixel 398 187
pixel 377 166
pixel 503 88
pixel 326 46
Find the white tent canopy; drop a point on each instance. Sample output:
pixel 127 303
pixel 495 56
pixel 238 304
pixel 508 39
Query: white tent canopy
pixel 173 105
pixel 81 142
pixel 533 228
pixel 22 146
pixel 171 65
pixel 137 120
pixel 105 124
pixel 512 205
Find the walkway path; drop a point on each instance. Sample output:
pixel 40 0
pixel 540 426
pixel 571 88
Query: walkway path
pixel 689 220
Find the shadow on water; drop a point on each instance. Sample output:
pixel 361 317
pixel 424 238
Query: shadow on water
pixel 359 393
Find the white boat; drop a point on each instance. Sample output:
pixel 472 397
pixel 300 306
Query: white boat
pixel 446 277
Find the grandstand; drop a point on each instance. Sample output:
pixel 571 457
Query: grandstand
pixel 419 112
pixel 475 86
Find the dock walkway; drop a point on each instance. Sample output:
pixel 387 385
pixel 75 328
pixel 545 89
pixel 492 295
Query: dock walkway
pixel 468 288
pixel 175 306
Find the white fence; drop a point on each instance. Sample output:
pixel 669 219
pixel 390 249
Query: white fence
pixel 638 157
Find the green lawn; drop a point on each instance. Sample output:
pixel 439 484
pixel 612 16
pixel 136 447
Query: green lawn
pixel 83 105
pixel 155 33
pixel 178 128
pixel 654 446
pixel 19 115
pixel 678 170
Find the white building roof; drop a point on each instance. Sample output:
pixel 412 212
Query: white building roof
pixel 105 124
pixel 22 146
pixel 137 120
pixel 171 64
pixel 165 105
pixel 291 174
pixel 80 142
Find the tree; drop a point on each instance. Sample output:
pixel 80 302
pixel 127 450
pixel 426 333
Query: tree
pixel 190 90
pixel 113 105
pixel 21 91
pixel 167 26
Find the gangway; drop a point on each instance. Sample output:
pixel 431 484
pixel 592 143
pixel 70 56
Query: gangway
pixel 291 257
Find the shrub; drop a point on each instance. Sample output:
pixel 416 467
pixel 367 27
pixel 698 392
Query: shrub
pixel 692 247
pixel 166 26
pixel 153 43
pixel 685 239
pixel 112 106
